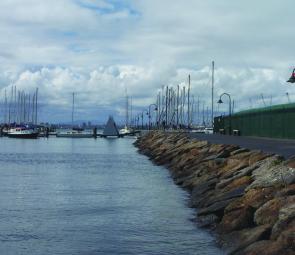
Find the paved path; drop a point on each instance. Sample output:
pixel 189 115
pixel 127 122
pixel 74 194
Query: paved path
pixel 281 147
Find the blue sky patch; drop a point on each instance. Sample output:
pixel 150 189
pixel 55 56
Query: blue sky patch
pixel 106 7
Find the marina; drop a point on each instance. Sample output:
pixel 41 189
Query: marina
pixel 147 127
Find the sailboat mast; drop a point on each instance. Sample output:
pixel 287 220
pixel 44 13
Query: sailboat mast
pixel 36 107
pixel 212 95
pixel 188 101
pixel 29 108
pixel 33 108
pixel 127 110
pixel 5 108
pixel 131 109
pixel 73 105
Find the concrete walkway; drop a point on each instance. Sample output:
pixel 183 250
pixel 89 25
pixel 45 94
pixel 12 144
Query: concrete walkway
pixel 285 148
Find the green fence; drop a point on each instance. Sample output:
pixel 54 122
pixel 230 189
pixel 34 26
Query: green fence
pixel 275 121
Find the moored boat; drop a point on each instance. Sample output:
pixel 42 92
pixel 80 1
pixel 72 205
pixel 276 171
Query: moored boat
pixel 125 130
pixel 22 132
pixel 74 133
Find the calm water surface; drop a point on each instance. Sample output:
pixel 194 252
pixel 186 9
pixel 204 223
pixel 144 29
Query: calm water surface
pixel 86 196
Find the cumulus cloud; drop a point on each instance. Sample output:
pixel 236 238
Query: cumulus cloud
pixel 100 48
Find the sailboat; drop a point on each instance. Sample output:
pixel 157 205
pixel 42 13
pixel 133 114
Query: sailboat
pixel 24 114
pixel 75 132
pixel 23 131
pixel 126 130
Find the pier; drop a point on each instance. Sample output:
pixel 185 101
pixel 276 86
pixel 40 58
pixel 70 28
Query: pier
pixel 245 196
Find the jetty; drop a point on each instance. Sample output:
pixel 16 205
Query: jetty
pixel 245 196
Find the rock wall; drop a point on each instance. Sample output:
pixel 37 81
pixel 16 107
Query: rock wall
pixel 246 197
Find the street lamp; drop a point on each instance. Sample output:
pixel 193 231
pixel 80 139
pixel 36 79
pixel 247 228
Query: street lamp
pixel 292 78
pixel 142 114
pixel 156 109
pixel 137 121
pixel 220 102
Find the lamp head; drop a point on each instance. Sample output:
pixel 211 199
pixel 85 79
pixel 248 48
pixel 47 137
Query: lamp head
pixel 219 101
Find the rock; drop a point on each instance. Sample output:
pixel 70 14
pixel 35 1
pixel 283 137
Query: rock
pixel 269 212
pixel 209 220
pixel 243 181
pixel 272 173
pixel 286 217
pixel 253 198
pixel 223 154
pixel 238 240
pixel 241 150
pixel 238 174
pixel 257 197
pixel 246 195
pixel 238 192
pixel 257 157
pixel 216 148
pixel 288 191
pixel 200 201
pixel 290 162
pixel 287 237
pixel 265 247
pixel 232 167
pixel 201 189
pixel 185 177
pixel 289 176
pixel 216 208
pixel 236 220
pixel 198 179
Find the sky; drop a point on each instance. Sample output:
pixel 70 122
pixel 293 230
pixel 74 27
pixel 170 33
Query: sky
pixel 101 48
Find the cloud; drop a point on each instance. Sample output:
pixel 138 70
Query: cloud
pixel 99 48
pixel 102 91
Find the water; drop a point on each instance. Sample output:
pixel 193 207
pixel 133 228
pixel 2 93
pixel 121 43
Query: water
pixel 86 196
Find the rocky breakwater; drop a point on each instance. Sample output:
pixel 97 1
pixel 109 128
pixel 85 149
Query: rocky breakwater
pixel 246 197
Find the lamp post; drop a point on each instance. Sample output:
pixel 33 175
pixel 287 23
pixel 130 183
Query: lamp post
pixel 142 114
pixel 149 114
pixel 220 102
pixel 137 121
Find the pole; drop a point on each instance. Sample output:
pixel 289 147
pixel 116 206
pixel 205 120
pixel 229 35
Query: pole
pixel 287 94
pixel 149 117
pixel 29 107
pixel 166 108
pixel 36 110
pixel 142 121
pixel 127 110
pixel 25 101
pixel 212 106
pixel 14 105
pixel 183 108
pixel 73 103
pixel 203 114
pixel 9 110
pixel 177 107
pixel 131 108
pixel 33 108
pixel 229 114
pixel 5 107
pixel 198 118
pixel 188 101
